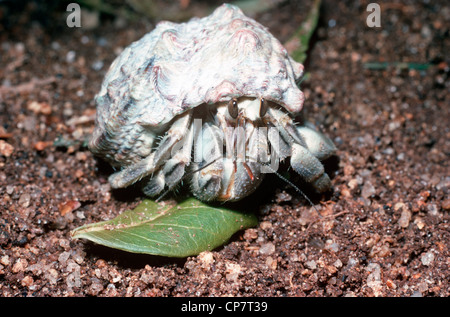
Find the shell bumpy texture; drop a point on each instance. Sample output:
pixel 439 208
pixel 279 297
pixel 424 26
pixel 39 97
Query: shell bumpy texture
pixel 177 67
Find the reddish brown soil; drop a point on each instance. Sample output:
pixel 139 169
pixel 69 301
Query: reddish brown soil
pixel 384 229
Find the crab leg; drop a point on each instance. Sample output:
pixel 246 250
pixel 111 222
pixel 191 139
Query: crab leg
pixel 318 144
pixel 310 168
pixel 151 163
pixel 155 185
pixel 285 126
pixel 306 135
pixel 174 168
pixel 209 171
pixel 305 154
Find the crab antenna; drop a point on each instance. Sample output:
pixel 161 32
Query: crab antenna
pixel 298 190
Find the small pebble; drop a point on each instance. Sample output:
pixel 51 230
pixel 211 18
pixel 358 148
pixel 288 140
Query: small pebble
pixel 9 189
pixel 432 209
pixel 97 65
pixel 250 234
pixel 24 200
pixel 95 288
pixel 68 207
pixel 338 264
pixel 312 265
pixel 271 263
pixel 52 276
pixel 232 271
pixel 367 190
pixel 70 56
pixel 5 260
pixel 63 257
pixel 427 258
pixel 27 281
pixel 405 218
pixel 331 246
pixel 417 294
pixel 374 280
pixel 267 248
pixel 40 107
pixel 20 266
pixel 265 225
pixel 6 149
pixel 206 259
pixel 446 204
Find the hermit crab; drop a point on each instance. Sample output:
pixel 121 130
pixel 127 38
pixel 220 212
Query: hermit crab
pixel 209 102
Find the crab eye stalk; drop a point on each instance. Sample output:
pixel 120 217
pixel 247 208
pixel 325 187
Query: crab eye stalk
pixel 233 109
pixel 263 107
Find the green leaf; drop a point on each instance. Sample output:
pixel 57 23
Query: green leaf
pixel 168 229
pixel 299 42
pixel 399 65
